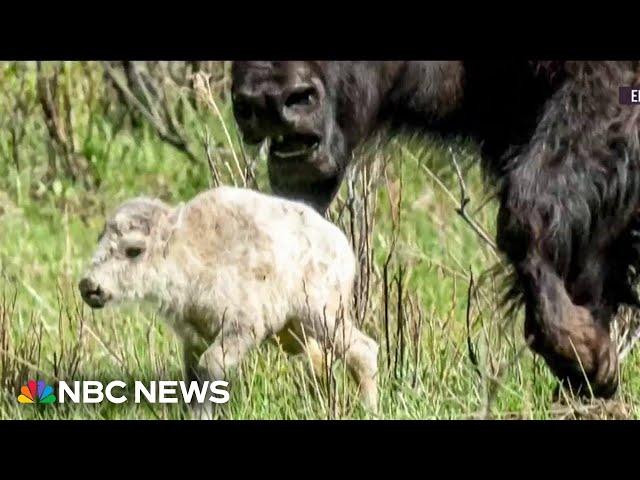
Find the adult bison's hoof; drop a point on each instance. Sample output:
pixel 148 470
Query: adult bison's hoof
pixel 581 387
pixel 590 369
pixel 579 352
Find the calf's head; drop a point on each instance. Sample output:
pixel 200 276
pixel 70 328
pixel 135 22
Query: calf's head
pixel 124 248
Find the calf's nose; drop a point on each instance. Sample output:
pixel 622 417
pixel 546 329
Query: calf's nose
pixel 91 293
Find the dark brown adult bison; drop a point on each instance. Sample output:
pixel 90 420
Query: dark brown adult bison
pixel 555 140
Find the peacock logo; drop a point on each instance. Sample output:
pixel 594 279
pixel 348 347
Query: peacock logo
pixel 36 392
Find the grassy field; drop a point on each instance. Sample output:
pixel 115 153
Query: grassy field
pixel 71 149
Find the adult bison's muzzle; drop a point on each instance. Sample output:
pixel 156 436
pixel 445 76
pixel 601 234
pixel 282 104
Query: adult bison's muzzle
pixel 300 167
pixel 285 103
pixel 294 146
pixel 300 157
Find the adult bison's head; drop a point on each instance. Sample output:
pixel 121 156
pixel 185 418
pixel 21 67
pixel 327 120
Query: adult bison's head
pixel 303 110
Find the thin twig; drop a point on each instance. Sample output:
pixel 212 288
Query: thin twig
pixel 165 132
pixel 26 363
pixel 632 338
pixel 472 354
pixel 495 381
pixel 212 166
pixel 464 201
pixel 202 85
pixel 461 203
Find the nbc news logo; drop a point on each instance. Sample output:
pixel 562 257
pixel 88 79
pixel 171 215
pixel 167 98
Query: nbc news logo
pixel 36 392
pixel 91 391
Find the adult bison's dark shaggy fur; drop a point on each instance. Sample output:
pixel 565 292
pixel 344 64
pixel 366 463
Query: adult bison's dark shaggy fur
pixel 564 154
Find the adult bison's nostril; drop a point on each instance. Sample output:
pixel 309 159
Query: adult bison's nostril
pixel 91 293
pixel 301 96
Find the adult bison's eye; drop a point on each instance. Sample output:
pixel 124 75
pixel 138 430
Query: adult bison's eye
pixel 243 109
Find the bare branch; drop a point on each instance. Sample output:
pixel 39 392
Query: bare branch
pixel 472 354
pixel 627 340
pixel 212 166
pixel 165 128
pixel 203 88
pixel 464 201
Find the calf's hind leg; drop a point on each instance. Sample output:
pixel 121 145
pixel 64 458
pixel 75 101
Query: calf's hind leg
pixel 361 357
pixel 294 341
pixel 360 354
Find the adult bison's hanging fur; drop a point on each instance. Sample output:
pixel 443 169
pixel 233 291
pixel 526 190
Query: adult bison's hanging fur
pixel 555 141
pixel 568 201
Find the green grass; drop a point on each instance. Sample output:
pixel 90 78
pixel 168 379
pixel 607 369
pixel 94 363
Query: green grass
pixel 49 224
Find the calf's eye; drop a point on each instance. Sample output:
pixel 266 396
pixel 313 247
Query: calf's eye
pixel 132 252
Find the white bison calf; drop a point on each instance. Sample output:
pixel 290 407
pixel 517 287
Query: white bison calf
pixel 230 269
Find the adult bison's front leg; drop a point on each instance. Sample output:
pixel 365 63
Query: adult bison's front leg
pixel 576 346
pixel 567 201
pixel 565 322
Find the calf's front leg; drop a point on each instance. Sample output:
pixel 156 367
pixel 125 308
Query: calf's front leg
pixel 224 354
